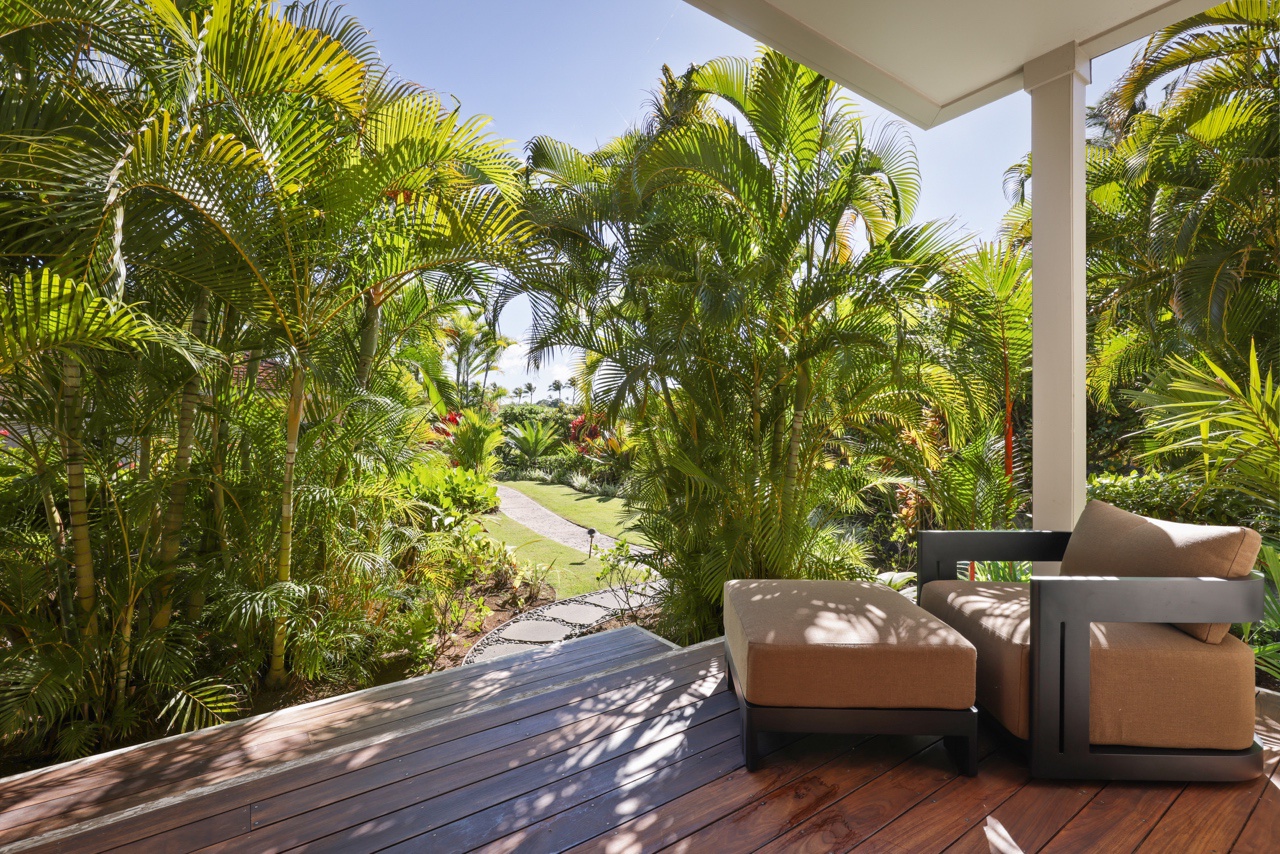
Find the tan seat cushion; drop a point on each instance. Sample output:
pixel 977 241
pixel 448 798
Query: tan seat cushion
pixel 1150 685
pixel 1111 541
pixel 843 644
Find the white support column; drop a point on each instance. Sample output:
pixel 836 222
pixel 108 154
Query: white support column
pixel 1057 82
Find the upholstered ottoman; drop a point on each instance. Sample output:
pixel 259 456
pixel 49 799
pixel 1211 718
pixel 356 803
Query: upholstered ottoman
pixel 847 656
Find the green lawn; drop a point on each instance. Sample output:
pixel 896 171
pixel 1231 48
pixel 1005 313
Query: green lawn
pixel 589 511
pixel 571 573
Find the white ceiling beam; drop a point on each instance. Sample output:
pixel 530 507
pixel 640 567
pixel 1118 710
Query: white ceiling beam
pixel 834 54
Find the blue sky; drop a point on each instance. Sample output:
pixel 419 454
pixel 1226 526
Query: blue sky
pixel 581 71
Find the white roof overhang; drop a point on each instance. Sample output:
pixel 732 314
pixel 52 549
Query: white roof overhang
pixel 930 61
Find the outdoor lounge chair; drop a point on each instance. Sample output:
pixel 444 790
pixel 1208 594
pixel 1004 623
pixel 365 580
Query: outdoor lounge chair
pixel 1120 668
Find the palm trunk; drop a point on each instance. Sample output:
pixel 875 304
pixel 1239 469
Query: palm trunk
pixel 223 434
pixel 1008 421
pixel 171 532
pixel 293 422
pixel 123 663
pixel 370 327
pixel 77 497
pixel 57 532
pixel 791 474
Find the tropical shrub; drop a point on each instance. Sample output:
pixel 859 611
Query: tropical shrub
pixel 1177 497
pixel 517 413
pixel 474 442
pixel 531 441
pixel 450 489
pixel 1264 636
pixel 1224 428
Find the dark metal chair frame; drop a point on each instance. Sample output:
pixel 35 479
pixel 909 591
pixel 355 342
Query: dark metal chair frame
pixel 1062 608
pixel 958 727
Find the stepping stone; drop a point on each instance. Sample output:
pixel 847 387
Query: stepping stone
pixel 615 599
pixel 497 649
pixel 578 613
pixel 538 631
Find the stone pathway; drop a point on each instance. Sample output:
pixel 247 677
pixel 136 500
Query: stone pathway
pixel 564 618
pixel 561 620
pixel 544 523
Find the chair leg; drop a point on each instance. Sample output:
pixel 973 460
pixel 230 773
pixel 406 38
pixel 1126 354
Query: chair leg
pixel 964 752
pixel 750 743
pixel 964 748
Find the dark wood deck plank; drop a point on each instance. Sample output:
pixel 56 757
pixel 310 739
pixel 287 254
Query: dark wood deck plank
pixel 308 812
pixel 581 823
pixel 143 787
pixel 460 764
pixel 1262 830
pixel 621 751
pixel 495 676
pixel 861 812
pixel 1117 819
pixel 464 818
pixel 42 820
pixel 1033 816
pixel 605 714
pixel 796 802
pixel 1208 817
pixel 959 805
pixel 694 670
pixel 1262 827
pixel 704 805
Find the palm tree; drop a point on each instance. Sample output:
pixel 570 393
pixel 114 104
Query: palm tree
pixel 1184 217
pixel 990 295
pixel 557 387
pixel 273 196
pixel 475 349
pixel 532 440
pixel 377 216
pixel 529 389
pixel 710 270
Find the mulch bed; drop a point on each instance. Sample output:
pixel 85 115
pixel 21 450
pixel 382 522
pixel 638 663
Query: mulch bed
pixel 503 605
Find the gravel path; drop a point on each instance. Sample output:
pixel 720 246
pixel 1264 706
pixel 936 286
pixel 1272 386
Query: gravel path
pixel 544 523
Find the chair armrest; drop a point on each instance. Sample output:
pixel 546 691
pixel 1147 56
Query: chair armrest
pixel 1101 599
pixel 1062 609
pixel 940 551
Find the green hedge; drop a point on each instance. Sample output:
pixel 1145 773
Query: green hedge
pixel 1178 498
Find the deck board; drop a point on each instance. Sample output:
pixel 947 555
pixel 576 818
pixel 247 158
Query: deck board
pixel 64 795
pixel 614 744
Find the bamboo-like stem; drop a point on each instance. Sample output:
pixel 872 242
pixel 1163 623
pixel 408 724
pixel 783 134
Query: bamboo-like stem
pixel 77 496
pixel 171 531
pixel 284 563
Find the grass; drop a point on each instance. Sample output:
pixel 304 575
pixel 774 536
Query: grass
pixel 590 511
pixel 571 573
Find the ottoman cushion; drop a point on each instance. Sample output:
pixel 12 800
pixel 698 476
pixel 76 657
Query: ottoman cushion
pixel 843 644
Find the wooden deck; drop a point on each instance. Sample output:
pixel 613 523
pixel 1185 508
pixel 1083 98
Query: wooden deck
pixel 611 743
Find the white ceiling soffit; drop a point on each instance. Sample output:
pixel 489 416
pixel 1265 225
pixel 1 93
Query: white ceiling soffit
pixel 932 60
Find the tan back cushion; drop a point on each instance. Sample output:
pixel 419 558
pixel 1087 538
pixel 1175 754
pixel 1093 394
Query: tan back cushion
pixel 1111 541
